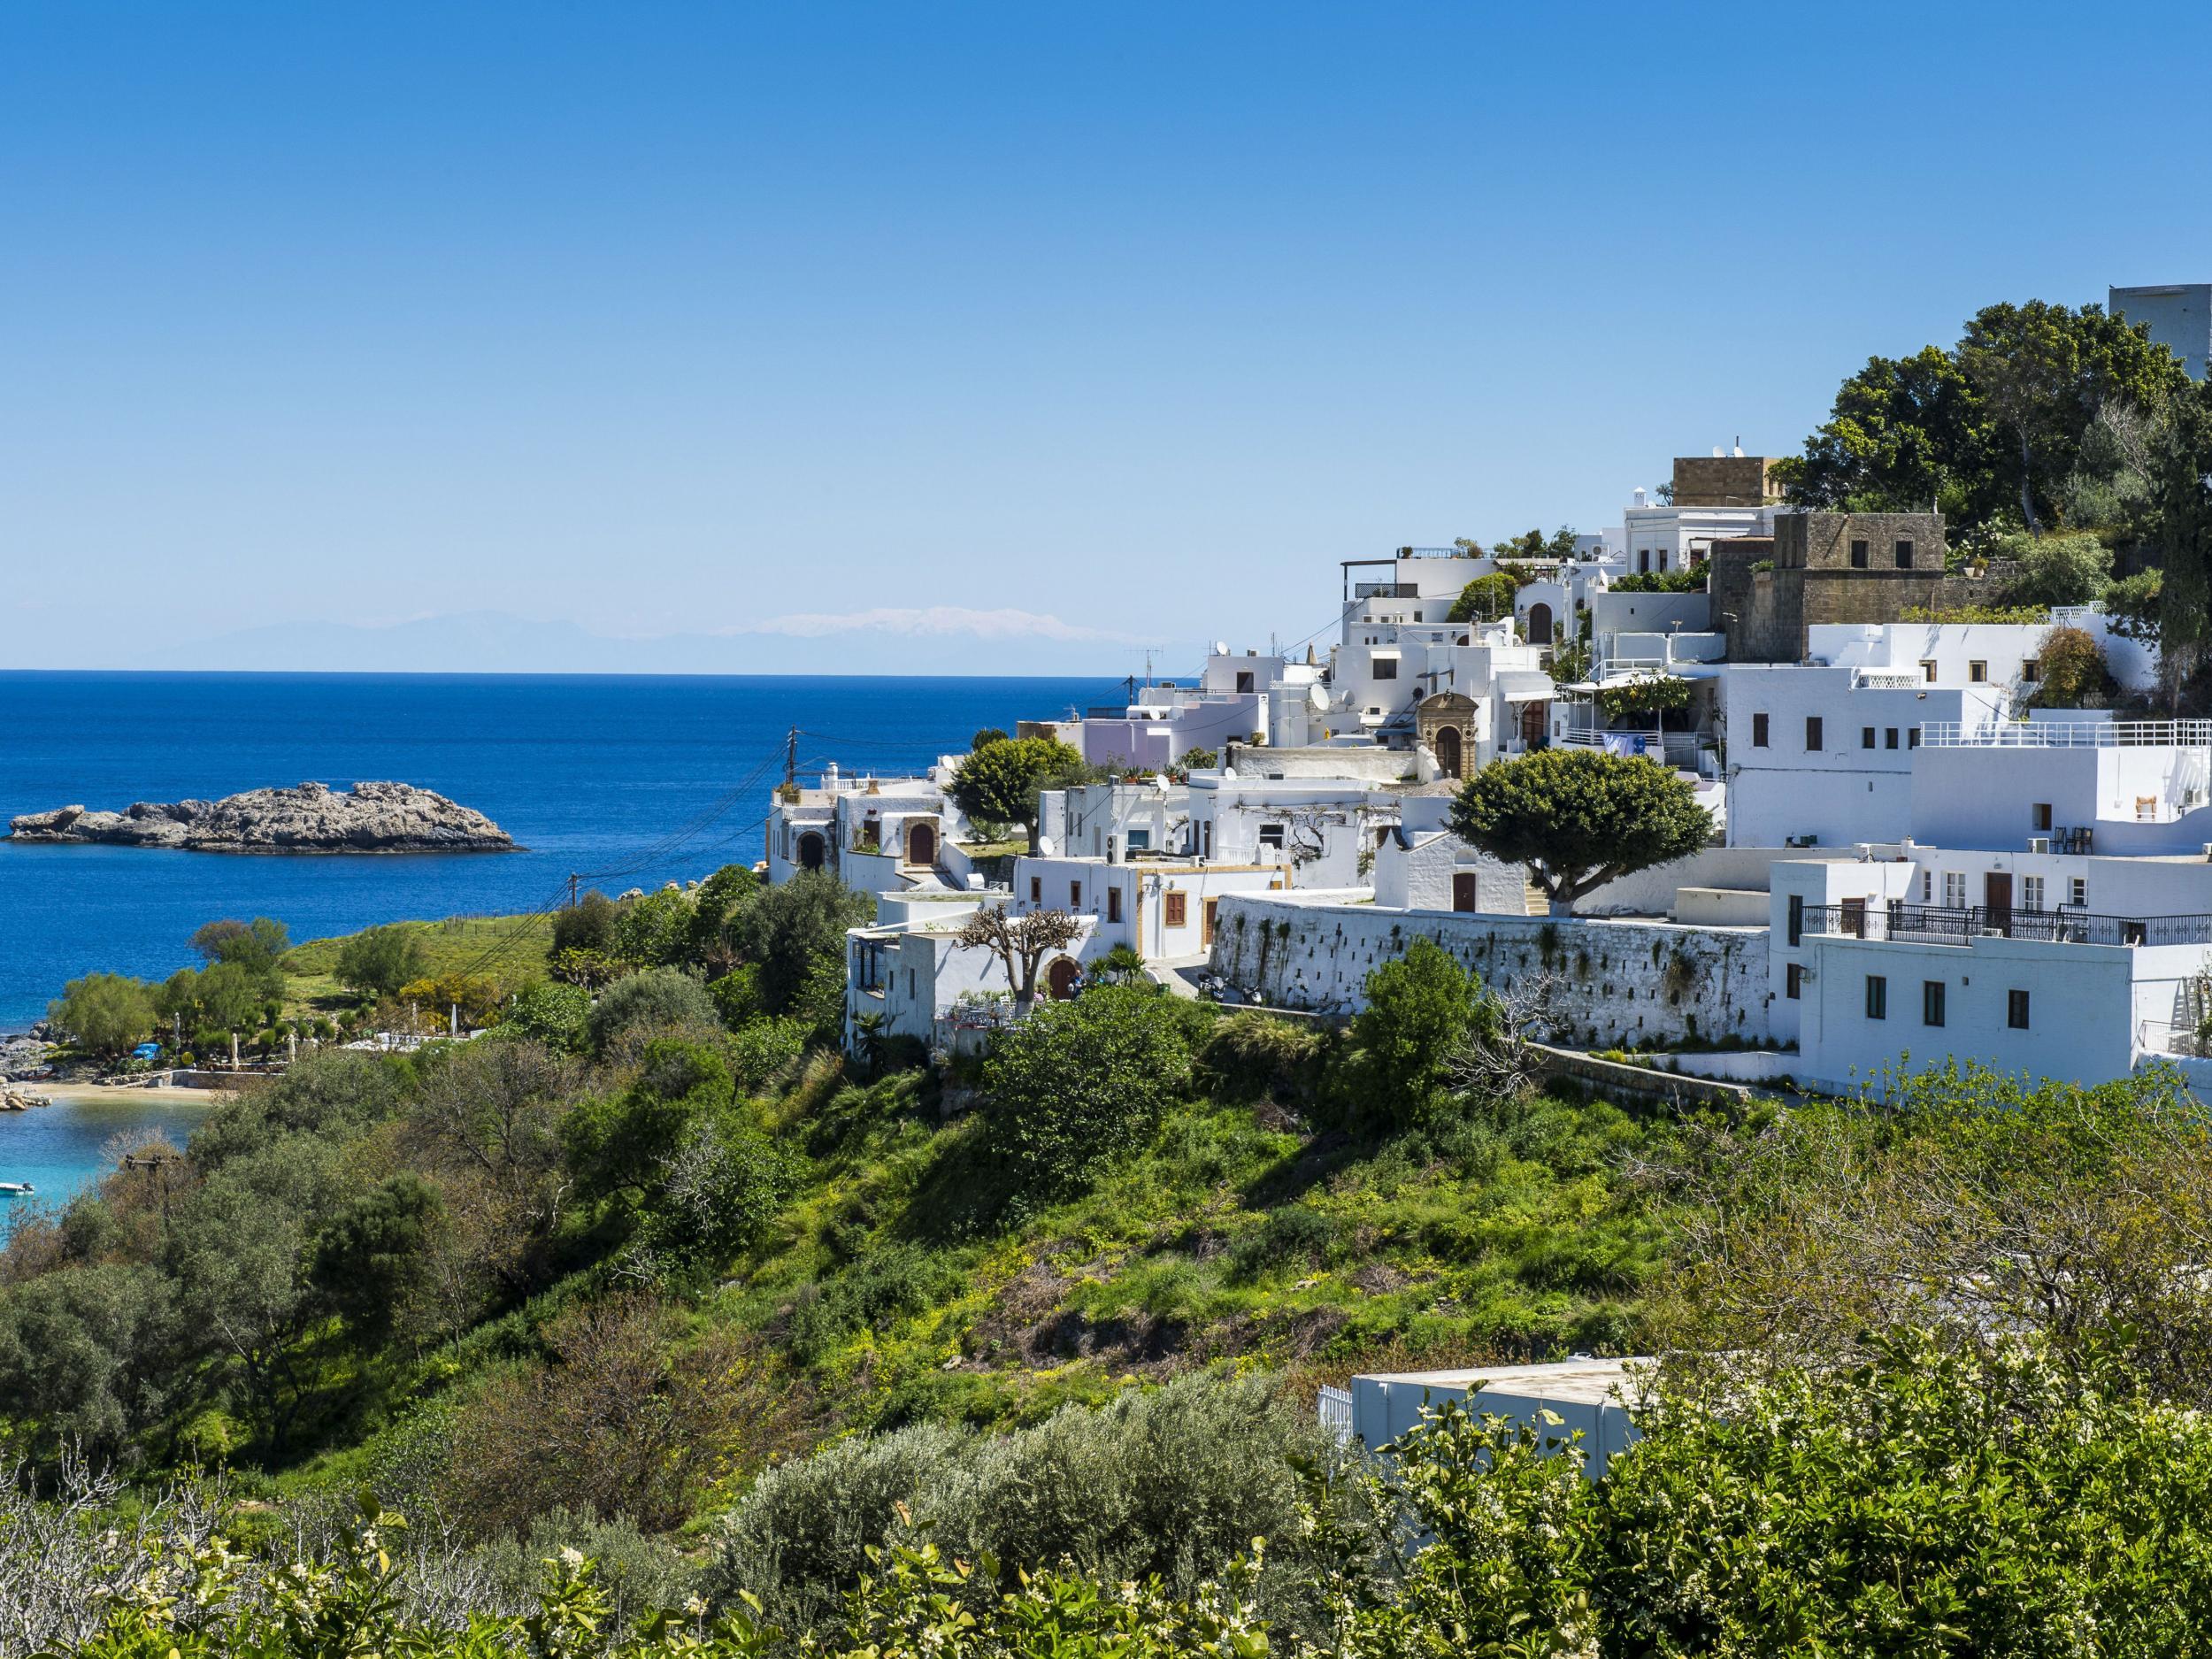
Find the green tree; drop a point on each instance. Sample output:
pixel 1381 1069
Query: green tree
pixel 2182 460
pixel 654 929
pixel 587 925
pixel 375 1257
pixel 1420 1008
pixel 622 1142
pixel 787 931
pixel 378 962
pixel 1080 1084
pixel 549 1012
pixel 998 783
pixel 105 1013
pixel 228 996
pixel 257 947
pixel 1485 599
pixel 89 1359
pixel 1580 818
pixel 984 737
pixel 708 946
pixel 2058 569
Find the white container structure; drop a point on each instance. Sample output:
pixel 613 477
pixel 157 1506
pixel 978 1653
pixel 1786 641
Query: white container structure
pixel 1593 1396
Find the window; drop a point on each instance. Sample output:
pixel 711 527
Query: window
pixel 1977 673
pixel 1386 668
pixel 1927 887
pixel 1271 835
pixel 1889 738
pixel 1858 556
pixel 2041 811
pixel 1139 840
pixel 1931 1002
pixel 1877 997
pixel 1866 737
pixel 909 981
pixel 2081 893
pixel 1075 896
pixel 1244 680
pixel 1904 553
pixel 2017 1009
pixel 1206 834
pixel 1955 889
pixel 1036 890
pixel 1797 916
pixel 1912 737
pixel 2030 669
pixel 1793 980
pixel 1643 562
pixel 1178 909
pixel 1113 904
pixel 1758 731
pixel 1927 671
pixel 1812 734
pixel 2032 893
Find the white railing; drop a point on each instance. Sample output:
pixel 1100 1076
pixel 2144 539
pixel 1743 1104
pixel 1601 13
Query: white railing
pixel 1885 679
pixel 2068 734
pixel 1334 1407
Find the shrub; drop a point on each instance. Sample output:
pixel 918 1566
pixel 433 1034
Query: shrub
pixel 2074 675
pixel 762 1048
pixel 546 1011
pixel 1419 1009
pixel 654 929
pixel 657 1000
pixel 1080 1084
pixel 1250 1057
pixel 588 924
pixel 1485 599
pixel 2058 568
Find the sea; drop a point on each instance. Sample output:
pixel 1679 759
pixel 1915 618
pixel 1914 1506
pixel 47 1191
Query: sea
pixel 621 781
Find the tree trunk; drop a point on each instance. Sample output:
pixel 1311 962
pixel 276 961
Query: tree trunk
pixel 2027 498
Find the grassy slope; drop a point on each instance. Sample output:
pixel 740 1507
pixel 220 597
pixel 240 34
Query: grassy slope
pixel 886 1292
pixel 510 948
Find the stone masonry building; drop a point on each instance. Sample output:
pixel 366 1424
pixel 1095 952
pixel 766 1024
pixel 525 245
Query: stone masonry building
pixel 1821 567
pixel 1724 480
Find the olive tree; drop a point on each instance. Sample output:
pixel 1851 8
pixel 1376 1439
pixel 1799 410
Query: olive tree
pixel 1580 818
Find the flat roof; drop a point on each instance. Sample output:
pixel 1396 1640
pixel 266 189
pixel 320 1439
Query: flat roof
pixel 1590 1381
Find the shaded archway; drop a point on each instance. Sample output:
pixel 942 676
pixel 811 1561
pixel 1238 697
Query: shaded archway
pixel 809 851
pixel 1450 751
pixel 1539 625
pixel 921 844
pixel 1060 979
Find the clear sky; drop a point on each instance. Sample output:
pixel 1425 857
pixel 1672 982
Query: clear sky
pixel 642 319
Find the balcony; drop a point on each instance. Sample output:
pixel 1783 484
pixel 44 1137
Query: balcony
pixel 1963 924
pixel 2068 734
pixel 1385 590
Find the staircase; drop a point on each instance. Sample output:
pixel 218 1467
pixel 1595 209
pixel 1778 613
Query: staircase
pixel 1535 901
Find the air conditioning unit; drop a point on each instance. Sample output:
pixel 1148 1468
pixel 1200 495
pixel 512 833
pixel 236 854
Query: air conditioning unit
pixel 2042 844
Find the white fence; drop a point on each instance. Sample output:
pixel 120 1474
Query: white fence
pixel 2068 734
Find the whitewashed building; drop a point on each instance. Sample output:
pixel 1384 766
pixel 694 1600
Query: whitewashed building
pixel 873 833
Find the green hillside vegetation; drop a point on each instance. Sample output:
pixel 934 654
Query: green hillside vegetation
pixel 510 949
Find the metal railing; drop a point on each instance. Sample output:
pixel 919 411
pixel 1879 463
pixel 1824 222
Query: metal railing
pixel 1960 924
pixel 2068 734
pixel 1385 590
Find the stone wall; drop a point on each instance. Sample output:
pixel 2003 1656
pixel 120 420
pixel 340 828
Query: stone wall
pixel 1613 982
pixel 1765 613
pixel 1724 480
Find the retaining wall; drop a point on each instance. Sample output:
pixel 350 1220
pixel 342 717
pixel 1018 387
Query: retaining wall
pixel 1612 982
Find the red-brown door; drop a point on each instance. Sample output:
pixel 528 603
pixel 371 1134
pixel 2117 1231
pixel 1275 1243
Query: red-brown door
pixel 921 845
pixel 1462 889
pixel 1060 979
pixel 1997 899
pixel 1855 918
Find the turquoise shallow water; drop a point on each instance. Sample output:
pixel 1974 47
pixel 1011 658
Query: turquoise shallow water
pixel 63 1148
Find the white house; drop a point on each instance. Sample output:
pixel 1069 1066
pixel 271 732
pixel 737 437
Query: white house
pixel 1163 909
pixel 1320 832
pixel 1824 756
pixel 1421 865
pixel 1116 820
pixel 2006 654
pixel 1658 537
pixel 2069 779
pixel 872 833
pixel 2072 967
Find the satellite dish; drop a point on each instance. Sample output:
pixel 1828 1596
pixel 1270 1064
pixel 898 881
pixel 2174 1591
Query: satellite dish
pixel 1317 694
pixel 1221 648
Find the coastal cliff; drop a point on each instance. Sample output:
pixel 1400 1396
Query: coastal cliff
pixel 373 817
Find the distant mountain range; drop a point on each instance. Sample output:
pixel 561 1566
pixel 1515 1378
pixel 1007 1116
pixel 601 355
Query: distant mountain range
pixel 937 641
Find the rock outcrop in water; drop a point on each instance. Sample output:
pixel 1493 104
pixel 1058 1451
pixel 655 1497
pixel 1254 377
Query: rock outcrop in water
pixel 374 818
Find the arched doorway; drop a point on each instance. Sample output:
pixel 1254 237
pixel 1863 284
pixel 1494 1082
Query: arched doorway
pixel 1532 717
pixel 1539 625
pixel 809 851
pixel 1448 750
pixel 921 844
pixel 1060 979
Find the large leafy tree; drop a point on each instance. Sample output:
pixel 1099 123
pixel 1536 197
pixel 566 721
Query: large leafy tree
pixel 1579 818
pixel 998 783
pixel 1419 1009
pixel 104 1012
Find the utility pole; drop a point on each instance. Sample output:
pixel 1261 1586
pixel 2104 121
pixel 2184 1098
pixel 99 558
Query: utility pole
pixel 572 890
pixel 791 758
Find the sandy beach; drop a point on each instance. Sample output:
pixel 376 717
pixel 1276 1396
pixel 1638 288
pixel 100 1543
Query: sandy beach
pixel 103 1092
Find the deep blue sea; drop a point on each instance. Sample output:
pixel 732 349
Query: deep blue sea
pixel 630 781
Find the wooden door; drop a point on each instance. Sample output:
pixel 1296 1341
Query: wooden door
pixel 1855 918
pixel 1447 750
pixel 1462 889
pixel 921 845
pixel 1060 979
pixel 1997 899
pixel 1539 625
pixel 1206 922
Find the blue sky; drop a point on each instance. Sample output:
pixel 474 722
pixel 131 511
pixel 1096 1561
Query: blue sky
pixel 799 332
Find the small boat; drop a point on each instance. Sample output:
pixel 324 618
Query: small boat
pixel 17 1186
